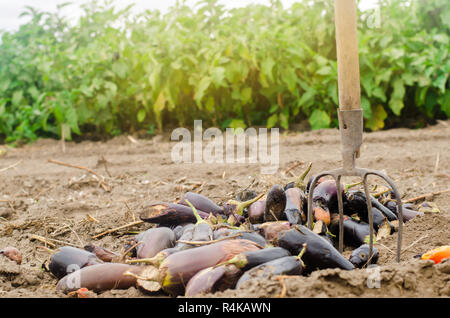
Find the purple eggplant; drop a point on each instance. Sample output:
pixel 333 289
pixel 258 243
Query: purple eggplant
pixel 202 229
pixel 407 212
pixel 360 256
pixel 69 259
pixel 320 254
pixel 246 235
pixel 275 204
pixel 101 253
pixel 288 265
pixel 294 210
pixel 170 214
pixel 100 277
pixel 255 212
pixel 202 203
pixel 355 232
pixel 270 230
pixel 177 269
pixel 154 240
pixel 356 203
pixel 213 279
pixel 247 260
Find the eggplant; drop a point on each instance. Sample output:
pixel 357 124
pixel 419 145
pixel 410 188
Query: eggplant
pixel 407 212
pixel 355 232
pixel 245 235
pixel 288 265
pixel 270 230
pixel 356 203
pixel 153 241
pixel 100 277
pixel 275 204
pixel 388 213
pixel 325 200
pixel 157 259
pixel 236 208
pixel 202 229
pixel 69 259
pixel 188 234
pixel 101 253
pixel 202 203
pixel 247 260
pixel 360 256
pixel 294 211
pixel 177 269
pixel 321 229
pixel 170 214
pixel 179 229
pixel 12 253
pixel 377 215
pixel 255 211
pixel 320 254
pixel 213 279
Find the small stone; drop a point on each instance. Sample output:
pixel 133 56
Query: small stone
pixel 444 266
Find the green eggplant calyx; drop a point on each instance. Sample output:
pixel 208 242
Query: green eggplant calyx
pixel 240 206
pixel 351 185
pixel 300 182
pixel 194 210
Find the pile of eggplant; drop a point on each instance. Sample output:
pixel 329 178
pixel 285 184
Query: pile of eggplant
pixel 198 247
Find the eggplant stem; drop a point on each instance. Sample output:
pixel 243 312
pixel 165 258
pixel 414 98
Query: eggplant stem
pixel 240 206
pixel 210 242
pixel 194 210
pixel 150 261
pixel 351 185
pixel 300 182
pixel 300 255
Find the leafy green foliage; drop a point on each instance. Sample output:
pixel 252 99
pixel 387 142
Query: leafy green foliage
pixel 113 72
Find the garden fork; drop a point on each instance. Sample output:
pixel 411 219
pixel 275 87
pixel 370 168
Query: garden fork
pixel 351 122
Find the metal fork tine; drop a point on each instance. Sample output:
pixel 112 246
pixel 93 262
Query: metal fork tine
pixel 341 214
pixel 369 212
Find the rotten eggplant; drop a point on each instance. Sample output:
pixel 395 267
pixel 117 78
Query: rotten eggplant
pixel 275 204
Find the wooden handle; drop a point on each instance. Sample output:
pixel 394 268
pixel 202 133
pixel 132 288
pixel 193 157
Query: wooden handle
pixel 347 55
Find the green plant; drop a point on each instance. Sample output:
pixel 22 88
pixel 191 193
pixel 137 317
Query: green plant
pixel 113 72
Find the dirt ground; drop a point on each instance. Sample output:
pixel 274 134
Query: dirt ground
pixel 54 201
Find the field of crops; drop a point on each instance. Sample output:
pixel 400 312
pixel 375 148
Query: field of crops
pixel 112 72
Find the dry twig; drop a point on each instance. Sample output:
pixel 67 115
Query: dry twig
pixel 117 229
pixel 11 166
pixel 424 196
pixel 99 177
